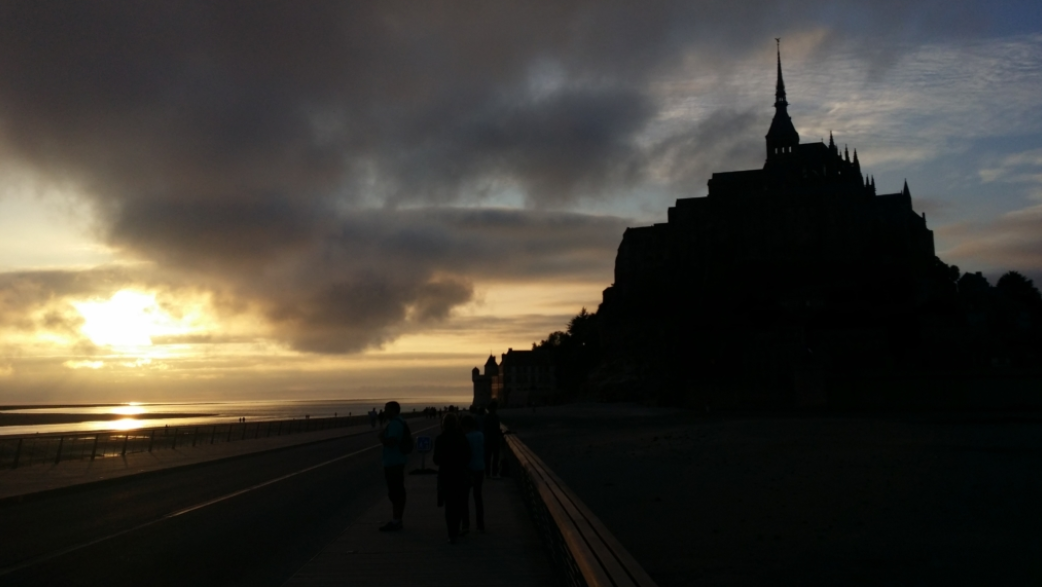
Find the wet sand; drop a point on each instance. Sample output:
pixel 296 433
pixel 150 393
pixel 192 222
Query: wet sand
pixel 841 499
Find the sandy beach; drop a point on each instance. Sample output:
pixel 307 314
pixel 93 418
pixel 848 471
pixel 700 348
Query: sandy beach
pixel 789 499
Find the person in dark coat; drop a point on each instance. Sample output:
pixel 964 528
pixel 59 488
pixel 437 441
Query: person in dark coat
pixel 493 440
pixel 452 455
pixel 476 468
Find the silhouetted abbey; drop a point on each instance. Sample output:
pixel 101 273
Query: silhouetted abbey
pixel 793 284
pixel 776 275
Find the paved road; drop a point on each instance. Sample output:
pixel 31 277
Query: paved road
pixel 124 534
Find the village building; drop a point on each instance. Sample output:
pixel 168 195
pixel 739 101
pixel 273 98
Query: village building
pixel 522 378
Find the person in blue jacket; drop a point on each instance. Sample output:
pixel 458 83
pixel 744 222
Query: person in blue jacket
pixel 394 464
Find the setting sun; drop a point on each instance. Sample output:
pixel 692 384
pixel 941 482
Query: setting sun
pixel 128 319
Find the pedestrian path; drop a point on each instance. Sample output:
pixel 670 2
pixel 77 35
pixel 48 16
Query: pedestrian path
pixel 508 554
pixel 27 481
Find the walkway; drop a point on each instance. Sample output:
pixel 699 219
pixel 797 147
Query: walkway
pixel 508 554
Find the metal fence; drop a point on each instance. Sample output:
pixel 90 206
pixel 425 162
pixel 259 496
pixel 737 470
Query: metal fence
pixel 41 449
pixel 581 548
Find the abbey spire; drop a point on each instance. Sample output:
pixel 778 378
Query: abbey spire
pixel 779 87
pixel 782 137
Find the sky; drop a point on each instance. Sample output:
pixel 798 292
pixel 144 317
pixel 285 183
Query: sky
pixel 281 200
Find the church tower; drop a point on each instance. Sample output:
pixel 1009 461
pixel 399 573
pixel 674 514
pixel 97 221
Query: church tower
pixel 782 138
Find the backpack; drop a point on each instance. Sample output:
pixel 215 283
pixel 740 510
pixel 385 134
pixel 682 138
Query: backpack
pixel 407 443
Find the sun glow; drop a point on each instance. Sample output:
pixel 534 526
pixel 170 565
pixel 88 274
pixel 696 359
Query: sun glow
pixel 128 320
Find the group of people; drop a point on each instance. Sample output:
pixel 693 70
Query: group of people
pixel 466 452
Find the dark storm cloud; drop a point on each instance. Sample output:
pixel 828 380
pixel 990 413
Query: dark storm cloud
pixel 243 146
pixel 359 281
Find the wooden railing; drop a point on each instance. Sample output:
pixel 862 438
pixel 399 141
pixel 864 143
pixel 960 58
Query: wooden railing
pixel 582 548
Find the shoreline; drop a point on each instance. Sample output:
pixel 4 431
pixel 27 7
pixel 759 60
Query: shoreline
pixel 6 408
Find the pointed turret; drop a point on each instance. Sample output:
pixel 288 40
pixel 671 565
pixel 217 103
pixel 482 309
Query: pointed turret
pixel 905 192
pixel 846 154
pixel 832 144
pixel 857 164
pixel 782 137
pixel 491 368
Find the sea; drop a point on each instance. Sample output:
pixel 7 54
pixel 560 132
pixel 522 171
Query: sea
pixel 130 416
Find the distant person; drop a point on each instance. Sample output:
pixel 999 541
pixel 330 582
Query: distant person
pixel 394 464
pixel 476 472
pixel 372 418
pixel 452 455
pixel 493 440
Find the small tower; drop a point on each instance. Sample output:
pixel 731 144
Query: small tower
pixel 782 137
pixel 491 368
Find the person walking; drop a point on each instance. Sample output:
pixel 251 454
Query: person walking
pixel 493 440
pixel 394 464
pixel 476 473
pixel 452 455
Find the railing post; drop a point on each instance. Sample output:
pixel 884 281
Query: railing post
pixel 94 450
pixel 243 437
pixel 195 435
pixel 213 433
pixel 230 428
pixel 279 431
pixel 174 445
pixel 126 439
pixel 151 439
pixel 58 456
pixel 17 453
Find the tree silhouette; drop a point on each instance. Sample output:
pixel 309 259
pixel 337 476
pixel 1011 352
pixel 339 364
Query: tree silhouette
pixel 1014 286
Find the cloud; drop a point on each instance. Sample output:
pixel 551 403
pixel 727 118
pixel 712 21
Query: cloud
pixel 369 277
pixel 37 301
pixel 687 159
pixel 1022 167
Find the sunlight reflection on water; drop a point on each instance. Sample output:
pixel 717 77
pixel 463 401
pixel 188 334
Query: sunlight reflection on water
pixel 209 413
pixel 126 424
